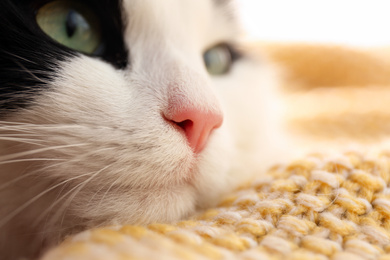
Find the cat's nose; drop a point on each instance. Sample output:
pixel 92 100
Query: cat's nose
pixel 197 125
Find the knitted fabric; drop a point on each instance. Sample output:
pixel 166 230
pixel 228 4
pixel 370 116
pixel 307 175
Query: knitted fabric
pixel 315 208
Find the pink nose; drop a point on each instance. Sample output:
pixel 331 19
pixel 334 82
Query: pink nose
pixel 197 125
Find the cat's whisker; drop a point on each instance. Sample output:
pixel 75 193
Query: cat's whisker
pixel 41 150
pixel 13 123
pixel 22 135
pixel 69 200
pixel 28 126
pixel 29 160
pixel 15 180
pixel 43 169
pixel 6 98
pixel 23 128
pixel 35 198
pixel 94 194
pixel 105 194
pixel 37 142
pixel 31 73
pixel 54 129
pixel 18 57
pixel 74 191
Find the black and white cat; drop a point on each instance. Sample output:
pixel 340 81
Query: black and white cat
pixel 123 112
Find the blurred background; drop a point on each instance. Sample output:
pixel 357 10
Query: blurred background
pixel 363 23
pixel 337 92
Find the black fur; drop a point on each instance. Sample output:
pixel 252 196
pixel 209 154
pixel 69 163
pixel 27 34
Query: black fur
pixel 29 58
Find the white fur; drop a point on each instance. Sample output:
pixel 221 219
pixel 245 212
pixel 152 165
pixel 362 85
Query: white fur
pixel 96 150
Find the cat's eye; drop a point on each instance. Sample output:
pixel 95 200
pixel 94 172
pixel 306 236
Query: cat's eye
pixel 218 59
pixel 70 23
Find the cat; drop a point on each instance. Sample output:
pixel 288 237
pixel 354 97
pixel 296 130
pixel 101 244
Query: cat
pixel 124 112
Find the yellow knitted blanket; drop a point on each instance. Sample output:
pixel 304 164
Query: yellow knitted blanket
pixel 319 207
pixel 311 209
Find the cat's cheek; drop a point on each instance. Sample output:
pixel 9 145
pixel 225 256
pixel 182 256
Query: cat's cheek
pixel 112 125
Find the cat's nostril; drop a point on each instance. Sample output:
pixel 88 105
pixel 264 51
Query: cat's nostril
pixel 185 124
pixel 197 126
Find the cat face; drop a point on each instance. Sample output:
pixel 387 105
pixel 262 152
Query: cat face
pixel 117 112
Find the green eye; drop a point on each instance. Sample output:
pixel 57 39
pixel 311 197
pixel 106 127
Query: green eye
pixel 218 59
pixel 70 23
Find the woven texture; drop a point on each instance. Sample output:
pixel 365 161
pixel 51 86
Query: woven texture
pixel 315 208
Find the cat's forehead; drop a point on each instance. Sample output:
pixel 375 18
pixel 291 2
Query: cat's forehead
pixel 185 21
